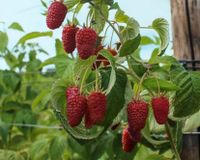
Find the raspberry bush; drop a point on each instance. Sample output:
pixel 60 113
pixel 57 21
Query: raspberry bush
pixel 113 102
pixel 108 97
pixel 131 101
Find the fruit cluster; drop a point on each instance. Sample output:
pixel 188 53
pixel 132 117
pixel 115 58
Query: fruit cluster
pixel 137 112
pixel 84 39
pixel 93 106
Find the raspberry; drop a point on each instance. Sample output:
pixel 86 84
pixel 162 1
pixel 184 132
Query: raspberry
pixel 86 39
pixel 68 38
pixel 160 109
pixel 96 107
pixel 127 142
pixel 56 15
pixel 137 114
pixel 88 121
pixel 86 36
pixel 72 91
pixel 85 51
pixel 76 106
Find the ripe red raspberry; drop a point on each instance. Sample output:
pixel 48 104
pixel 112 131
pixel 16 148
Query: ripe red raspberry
pixel 68 38
pixel 76 106
pixel 56 15
pixel 85 51
pixel 86 36
pixel 137 114
pixel 72 91
pixel 88 121
pixel 160 109
pixel 96 107
pixel 86 39
pixel 127 142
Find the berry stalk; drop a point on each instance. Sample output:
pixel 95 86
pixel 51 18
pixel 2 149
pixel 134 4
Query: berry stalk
pixel 173 145
pixel 113 27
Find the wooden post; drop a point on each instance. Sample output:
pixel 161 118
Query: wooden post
pixel 186 29
pixel 186 44
pixel 190 149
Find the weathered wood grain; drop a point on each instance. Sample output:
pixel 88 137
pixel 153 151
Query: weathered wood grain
pixel 181 41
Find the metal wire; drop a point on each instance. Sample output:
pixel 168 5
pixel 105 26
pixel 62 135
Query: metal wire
pixel 32 125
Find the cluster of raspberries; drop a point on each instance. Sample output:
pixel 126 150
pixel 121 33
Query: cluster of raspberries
pixel 92 107
pixel 137 112
pixel 85 39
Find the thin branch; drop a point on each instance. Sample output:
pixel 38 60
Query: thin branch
pixel 173 145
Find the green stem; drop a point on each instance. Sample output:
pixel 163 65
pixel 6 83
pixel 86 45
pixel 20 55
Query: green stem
pixel 103 16
pixel 84 76
pixel 140 85
pixel 132 73
pixel 172 141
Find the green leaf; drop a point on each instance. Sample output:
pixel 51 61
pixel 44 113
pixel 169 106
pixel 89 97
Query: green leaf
pixel 114 6
pixel 10 59
pixel 83 68
pixel 176 129
pixel 10 155
pixel 98 148
pixel 39 99
pixel 39 149
pixel 187 98
pixel 131 30
pixel 1 90
pixel 98 20
pixel 4 132
pixel 162 59
pixel 137 67
pixel 58 94
pixel 111 59
pixel 11 80
pixel 34 35
pixel 64 65
pixel 145 40
pixel 153 84
pixel 33 65
pixel 16 26
pixel 59 47
pixel 147 136
pixel 120 16
pixel 71 3
pixel 85 1
pixel 115 99
pixel 156 157
pixel 109 2
pixel 31 92
pixel 25 115
pixel 57 147
pixel 4 41
pixel 44 4
pixel 192 123
pixel 129 46
pixel 162 28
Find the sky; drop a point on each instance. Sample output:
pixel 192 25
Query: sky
pixel 28 14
